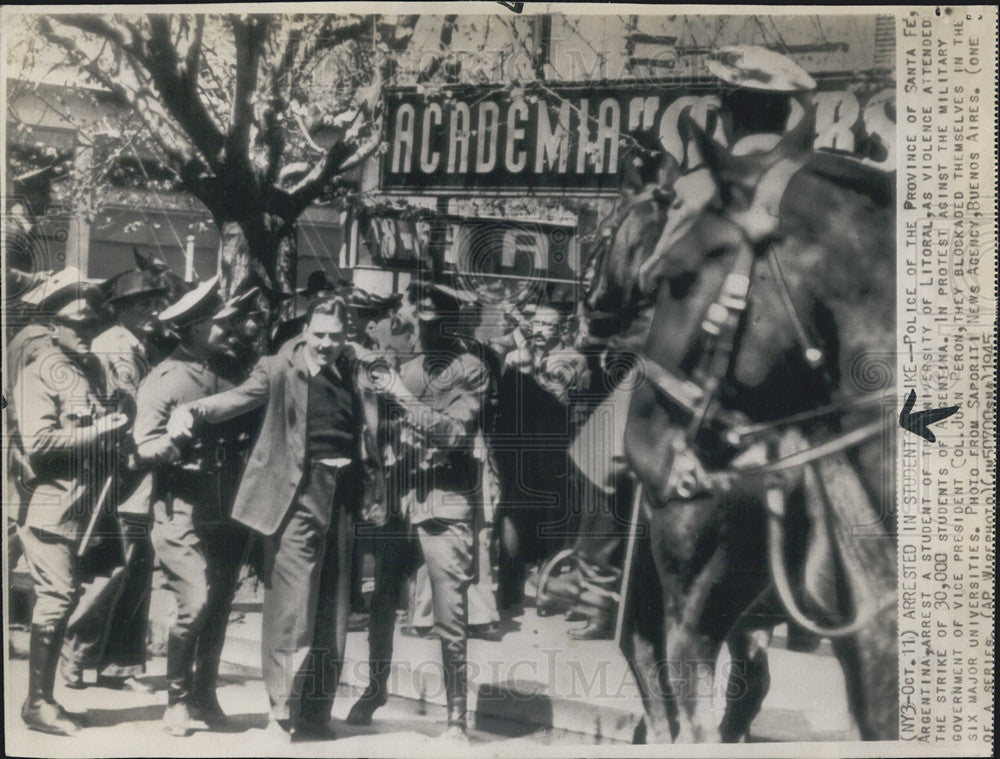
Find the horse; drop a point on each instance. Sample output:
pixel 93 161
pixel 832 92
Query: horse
pixel 771 279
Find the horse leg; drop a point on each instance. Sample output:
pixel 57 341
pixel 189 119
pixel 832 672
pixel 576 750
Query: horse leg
pixel 748 683
pixel 642 644
pixel 691 653
pixel 868 661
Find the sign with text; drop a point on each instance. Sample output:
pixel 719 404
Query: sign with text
pixel 576 137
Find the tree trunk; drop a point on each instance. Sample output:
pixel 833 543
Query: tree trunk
pixel 286 272
pixel 273 269
pixel 236 264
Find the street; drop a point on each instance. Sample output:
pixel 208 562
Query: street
pixel 127 724
pixel 582 695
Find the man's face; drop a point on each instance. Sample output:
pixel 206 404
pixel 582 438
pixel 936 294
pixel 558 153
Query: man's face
pixel 325 337
pixel 75 336
pixel 544 327
pixel 209 336
pixel 138 314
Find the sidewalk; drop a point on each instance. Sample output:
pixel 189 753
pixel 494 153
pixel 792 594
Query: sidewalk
pixel 537 676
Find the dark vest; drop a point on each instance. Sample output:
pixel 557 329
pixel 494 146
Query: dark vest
pixel 333 421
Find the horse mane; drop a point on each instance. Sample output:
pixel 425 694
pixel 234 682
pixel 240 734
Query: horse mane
pixel 851 174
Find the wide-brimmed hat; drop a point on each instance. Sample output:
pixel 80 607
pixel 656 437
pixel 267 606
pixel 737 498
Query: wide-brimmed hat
pixel 61 288
pixel 753 67
pixel 200 303
pixel 131 283
pixel 76 311
pixel 370 306
pixel 317 283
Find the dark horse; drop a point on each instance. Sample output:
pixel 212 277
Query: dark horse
pixel 774 309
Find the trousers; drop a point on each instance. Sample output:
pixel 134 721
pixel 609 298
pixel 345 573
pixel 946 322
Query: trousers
pixel 108 628
pixel 54 569
pixel 482 600
pixel 200 558
pixel 307 588
pixel 447 548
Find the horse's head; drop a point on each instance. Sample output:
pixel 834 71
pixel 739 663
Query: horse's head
pixel 752 185
pixel 625 239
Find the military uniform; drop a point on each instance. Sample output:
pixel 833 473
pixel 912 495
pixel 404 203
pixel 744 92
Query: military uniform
pixel 198 546
pixel 109 627
pixel 434 486
pixel 59 419
pixel 125 362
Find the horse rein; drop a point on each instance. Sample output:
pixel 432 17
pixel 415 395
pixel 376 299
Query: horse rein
pixel 719 333
pixel 719 337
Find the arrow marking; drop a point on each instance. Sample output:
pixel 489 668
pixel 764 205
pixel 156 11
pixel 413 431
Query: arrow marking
pixel 919 422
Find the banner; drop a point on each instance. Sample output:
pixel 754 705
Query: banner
pixel 575 137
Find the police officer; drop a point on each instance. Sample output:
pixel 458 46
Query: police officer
pixel 108 628
pixel 437 399
pixel 67 436
pixel 136 298
pixel 197 545
pixel 761 93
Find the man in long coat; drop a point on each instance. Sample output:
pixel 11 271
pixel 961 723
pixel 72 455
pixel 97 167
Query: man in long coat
pixel 310 467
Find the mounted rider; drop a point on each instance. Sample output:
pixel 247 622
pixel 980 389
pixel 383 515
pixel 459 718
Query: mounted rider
pixel 763 94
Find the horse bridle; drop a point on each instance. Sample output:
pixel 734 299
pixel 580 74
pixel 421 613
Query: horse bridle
pixel 719 338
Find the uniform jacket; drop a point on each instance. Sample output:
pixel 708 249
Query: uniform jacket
pixel 202 471
pixel 55 398
pixel 277 463
pixel 125 363
pixel 441 450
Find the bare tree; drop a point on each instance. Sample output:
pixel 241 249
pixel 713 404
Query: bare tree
pixel 257 116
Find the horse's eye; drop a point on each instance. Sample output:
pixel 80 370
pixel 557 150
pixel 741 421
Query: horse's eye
pixel 680 284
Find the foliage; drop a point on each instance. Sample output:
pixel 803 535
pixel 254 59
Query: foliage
pixel 258 116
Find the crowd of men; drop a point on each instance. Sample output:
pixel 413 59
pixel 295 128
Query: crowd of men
pixel 378 425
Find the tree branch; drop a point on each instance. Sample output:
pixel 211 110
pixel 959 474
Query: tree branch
pixel 249 37
pixel 158 57
pixel 311 186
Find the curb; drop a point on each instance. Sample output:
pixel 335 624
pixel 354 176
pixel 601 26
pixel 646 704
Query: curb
pixel 525 702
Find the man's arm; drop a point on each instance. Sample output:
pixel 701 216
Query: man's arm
pixel 39 414
pixel 154 444
pixel 454 425
pixel 251 394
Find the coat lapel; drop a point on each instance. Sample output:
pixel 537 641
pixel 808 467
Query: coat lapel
pixel 297 400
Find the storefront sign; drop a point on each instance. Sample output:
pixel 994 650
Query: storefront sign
pixel 575 138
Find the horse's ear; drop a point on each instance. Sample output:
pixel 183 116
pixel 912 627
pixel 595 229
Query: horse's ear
pixel 736 175
pixel 799 140
pixel 719 161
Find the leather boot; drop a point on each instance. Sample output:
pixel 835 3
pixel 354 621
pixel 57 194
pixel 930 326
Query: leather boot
pixel 456 688
pixel 457 729
pixel 375 695
pixel 180 654
pixel 204 700
pixel 40 711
